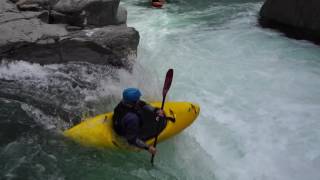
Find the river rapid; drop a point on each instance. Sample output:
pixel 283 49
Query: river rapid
pixel 258 92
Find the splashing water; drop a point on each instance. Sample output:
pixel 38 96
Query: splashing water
pixel 258 92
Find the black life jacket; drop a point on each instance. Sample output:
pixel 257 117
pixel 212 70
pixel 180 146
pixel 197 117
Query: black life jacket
pixel 149 127
pixel 120 111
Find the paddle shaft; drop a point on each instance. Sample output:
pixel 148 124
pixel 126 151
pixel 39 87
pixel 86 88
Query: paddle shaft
pixel 166 87
pixel 156 138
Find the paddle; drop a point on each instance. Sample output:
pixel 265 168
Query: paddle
pixel 166 87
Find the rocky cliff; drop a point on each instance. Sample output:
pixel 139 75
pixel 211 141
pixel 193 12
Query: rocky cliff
pixel 59 31
pixel 297 18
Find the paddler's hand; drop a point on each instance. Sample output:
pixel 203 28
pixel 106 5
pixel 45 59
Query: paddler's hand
pixel 161 113
pixel 152 150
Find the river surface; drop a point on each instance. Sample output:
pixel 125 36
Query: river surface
pixel 259 93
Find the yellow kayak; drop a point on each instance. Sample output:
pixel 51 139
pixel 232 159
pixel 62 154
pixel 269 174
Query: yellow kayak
pixel 98 131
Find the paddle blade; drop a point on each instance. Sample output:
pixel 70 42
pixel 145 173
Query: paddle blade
pixel 167 82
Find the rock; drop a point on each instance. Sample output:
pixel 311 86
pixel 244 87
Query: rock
pixel 80 12
pixel 93 12
pixel 29 7
pixel 73 28
pixel 297 18
pixel 111 45
pixel 121 17
pixel 39 2
pixel 7 7
pixel 25 35
pixel 33 5
pixel 54 17
pixel 25 29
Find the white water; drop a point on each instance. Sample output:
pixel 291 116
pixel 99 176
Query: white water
pixel 259 91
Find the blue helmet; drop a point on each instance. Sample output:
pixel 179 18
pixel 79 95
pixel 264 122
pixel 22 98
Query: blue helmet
pixel 131 95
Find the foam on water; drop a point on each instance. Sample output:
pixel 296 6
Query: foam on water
pixel 74 87
pixel 258 90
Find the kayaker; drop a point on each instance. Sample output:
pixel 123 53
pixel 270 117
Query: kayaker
pixel 157 3
pixel 127 118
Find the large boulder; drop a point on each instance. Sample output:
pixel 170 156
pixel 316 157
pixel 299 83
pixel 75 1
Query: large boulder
pixel 25 36
pixel 297 18
pixel 111 45
pixel 80 12
pixel 93 12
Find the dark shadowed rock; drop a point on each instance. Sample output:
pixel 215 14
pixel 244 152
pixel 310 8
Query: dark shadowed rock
pixel 297 18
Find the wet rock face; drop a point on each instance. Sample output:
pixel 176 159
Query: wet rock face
pixel 297 18
pixel 59 31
